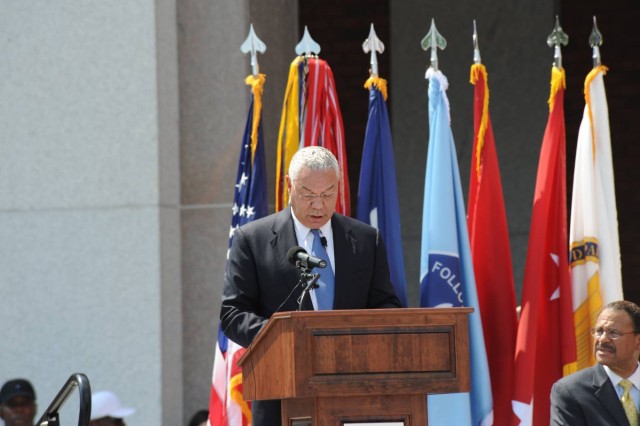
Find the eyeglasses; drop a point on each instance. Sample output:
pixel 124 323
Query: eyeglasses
pixel 611 333
pixel 325 196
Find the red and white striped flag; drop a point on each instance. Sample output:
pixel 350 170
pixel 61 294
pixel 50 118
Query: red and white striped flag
pixel 310 117
pixel 323 123
pixel 226 405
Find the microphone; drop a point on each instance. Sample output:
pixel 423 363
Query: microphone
pixel 323 241
pixel 298 254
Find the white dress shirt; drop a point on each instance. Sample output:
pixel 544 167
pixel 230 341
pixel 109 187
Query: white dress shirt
pixel 305 240
pixel 634 378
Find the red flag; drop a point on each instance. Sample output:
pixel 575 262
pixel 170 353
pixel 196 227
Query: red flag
pixel 489 238
pixel 323 125
pixel 311 116
pixel 545 344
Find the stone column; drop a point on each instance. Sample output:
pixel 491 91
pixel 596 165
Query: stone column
pixel 89 220
pixel 214 103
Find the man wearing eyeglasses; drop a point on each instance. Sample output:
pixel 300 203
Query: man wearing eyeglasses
pixel 609 392
pixel 260 280
pixel 17 403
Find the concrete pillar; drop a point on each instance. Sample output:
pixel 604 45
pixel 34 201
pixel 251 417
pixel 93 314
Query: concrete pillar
pixel 89 219
pixel 214 103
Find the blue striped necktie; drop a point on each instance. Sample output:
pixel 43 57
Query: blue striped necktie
pixel 326 283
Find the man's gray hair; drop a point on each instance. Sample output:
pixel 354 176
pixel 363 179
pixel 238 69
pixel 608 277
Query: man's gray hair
pixel 312 158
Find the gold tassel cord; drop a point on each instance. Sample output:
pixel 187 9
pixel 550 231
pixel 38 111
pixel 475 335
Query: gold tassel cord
pixel 558 80
pixel 257 88
pixel 476 70
pixel 378 83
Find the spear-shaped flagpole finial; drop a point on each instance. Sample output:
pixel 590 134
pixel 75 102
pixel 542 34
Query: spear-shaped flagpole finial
pixel 476 48
pixel 434 41
pixel 595 41
pixel 372 45
pixel 557 38
pixel 253 44
pixel 307 45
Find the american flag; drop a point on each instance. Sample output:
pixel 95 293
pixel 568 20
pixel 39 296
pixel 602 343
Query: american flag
pixel 226 406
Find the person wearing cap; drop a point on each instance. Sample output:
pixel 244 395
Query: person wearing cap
pixel 108 410
pixel 17 403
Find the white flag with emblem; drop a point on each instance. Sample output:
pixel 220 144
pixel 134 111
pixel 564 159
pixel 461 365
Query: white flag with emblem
pixel 595 249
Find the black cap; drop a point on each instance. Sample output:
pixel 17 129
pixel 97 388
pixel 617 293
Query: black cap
pixel 16 387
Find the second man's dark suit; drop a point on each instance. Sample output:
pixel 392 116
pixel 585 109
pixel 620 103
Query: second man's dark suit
pixel 259 277
pixel 586 398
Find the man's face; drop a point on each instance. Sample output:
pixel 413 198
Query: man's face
pixel 18 411
pixel 621 355
pixel 313 196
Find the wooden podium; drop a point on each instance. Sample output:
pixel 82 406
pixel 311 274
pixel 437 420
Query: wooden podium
pixel 357 366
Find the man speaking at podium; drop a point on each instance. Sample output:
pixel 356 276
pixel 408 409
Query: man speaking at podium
pixel 261 279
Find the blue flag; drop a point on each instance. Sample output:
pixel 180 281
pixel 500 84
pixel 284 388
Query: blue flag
pixel 378 192
pixel 446 266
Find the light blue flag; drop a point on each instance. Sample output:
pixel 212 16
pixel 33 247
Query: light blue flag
pixel 446 267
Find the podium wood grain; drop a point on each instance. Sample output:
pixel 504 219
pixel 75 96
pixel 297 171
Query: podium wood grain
pixel 375 364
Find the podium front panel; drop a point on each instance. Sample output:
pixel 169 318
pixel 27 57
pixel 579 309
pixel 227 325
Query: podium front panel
pixel 359 352
pixel 339 352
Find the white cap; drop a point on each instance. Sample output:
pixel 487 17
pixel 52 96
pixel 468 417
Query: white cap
pixel 107 404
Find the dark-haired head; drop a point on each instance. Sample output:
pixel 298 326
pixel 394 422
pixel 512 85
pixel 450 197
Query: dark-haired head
pixel 199 418
pixel 630 308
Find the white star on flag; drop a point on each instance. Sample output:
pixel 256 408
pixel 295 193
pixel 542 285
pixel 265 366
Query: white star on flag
pixel 243 181
pixel 523 411
pixel 556 292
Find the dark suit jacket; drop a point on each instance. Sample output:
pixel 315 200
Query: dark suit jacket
pixel 586 398
pixel 260 280
pixel 259 276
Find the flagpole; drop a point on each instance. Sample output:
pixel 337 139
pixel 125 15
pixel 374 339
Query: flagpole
pixel 226 405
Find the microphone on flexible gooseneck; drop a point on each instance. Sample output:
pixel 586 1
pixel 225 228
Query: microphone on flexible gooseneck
pixel 305 263
pixel 299 257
